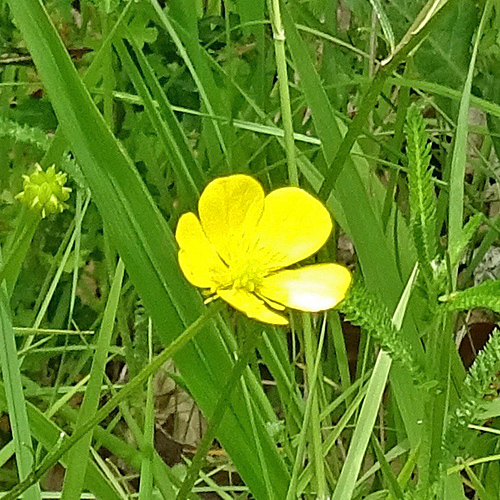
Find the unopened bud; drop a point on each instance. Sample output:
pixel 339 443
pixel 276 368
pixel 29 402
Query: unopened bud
pixel 45 192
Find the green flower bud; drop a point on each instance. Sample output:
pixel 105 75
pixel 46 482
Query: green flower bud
pixel 45 192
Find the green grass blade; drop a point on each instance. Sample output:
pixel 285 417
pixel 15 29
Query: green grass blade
pixel 165 123
pixel 339 343
pixel 385 24
pixel 16 403
pixel 363 430
pixel 312 357
pixel 457 172
pixel 146 484
pixel 75 472
pixel 389 476
pixel 47 433
pixel 369 411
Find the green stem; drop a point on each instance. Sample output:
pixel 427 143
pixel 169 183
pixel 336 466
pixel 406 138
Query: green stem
pixel 66 444
pixel 286 109
pixel 316 454
pixel 302 442
pixel 244 358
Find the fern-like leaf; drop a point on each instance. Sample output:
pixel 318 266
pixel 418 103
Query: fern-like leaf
pixel 421 192
pixel 476 386
pixel 468 232
pixel 366 310
pixel 37 138
pixel 23 133
pixel 485 295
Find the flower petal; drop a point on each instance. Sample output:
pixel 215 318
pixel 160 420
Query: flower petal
pixel 251 305
pixel 229 210
pixel 198 259
pixel 312 288
pixel 294 225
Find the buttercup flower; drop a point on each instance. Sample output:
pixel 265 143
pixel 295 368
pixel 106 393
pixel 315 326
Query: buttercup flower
pixel 45 191
pixel 243 241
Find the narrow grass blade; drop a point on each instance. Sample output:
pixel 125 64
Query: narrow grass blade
pixel 369 411
pixel 313 357
pixel 16 403
pixel 47 433
pixel 384 24
pixel 457 172
pixel 363 430
pixel 147 465
pixel 75 472
pixel 163 119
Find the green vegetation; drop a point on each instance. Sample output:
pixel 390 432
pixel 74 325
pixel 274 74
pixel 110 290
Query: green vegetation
pixel 115 369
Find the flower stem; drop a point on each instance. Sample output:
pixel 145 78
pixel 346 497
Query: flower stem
pixel 66 444
pixel 312 353
pixel 286 109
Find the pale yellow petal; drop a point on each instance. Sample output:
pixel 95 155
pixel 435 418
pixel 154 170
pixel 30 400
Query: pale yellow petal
pixel 251 305
pixel 311 288
pixel 198 259
pixel 294 226
pixel 229 210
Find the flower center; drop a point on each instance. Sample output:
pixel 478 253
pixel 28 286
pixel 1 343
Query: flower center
pixel 246 275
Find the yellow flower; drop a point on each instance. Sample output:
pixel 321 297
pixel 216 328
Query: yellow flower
pixel 242 242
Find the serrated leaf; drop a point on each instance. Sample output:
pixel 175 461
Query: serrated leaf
pixel 468 232
pixel 421 190
pixel 486 295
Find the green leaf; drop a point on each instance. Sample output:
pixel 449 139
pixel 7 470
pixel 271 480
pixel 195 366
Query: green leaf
pixel 457 169
pixel 16 403
pixel 421 187
pixel 48 434
pixel 75 472
pixel 486 295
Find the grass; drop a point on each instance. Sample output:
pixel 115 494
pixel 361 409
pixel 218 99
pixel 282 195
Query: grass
pixel 322 95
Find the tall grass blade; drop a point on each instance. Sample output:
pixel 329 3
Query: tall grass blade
pixel 369 411
pixel 48 434
pixel 75 472
pixel 16 404
pixel 457 171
